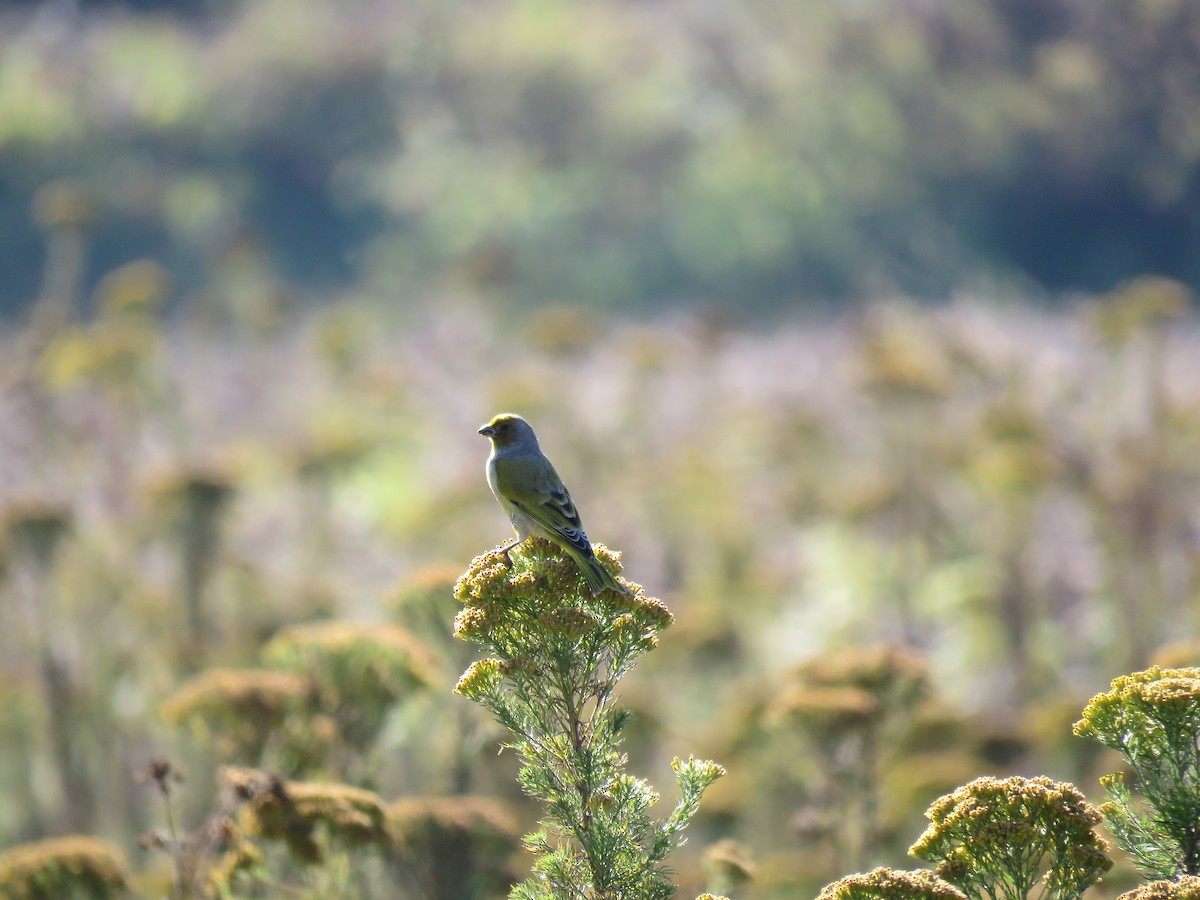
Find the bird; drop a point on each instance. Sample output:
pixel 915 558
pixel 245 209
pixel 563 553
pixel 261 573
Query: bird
pixel 537 502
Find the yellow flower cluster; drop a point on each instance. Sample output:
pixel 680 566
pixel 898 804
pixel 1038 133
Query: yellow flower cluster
pixel 890 884
pixel 1186 888
pixel 481 678
pixel 537 592
pixel 1143 706
pixel 1015 831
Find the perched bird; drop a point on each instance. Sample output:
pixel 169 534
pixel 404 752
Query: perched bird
pixel 537 502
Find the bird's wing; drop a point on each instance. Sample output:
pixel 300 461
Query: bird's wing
pixel 534 488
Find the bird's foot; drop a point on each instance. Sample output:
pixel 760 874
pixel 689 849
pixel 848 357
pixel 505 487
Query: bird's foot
pixel 505 550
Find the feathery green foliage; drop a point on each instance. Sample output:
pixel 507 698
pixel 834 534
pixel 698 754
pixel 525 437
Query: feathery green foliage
pixel 558 654
pixel 999 837
pixel 1152 718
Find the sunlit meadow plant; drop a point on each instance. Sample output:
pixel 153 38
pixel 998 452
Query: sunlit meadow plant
pixel 194 499
pixel 77 866
pixel 728 867
pixel 1152 718
pixel 264 833
pixel 890 884
pixel 362 672
pixel 1186 888
pixel 1013 838
pixel 456 738
pixel 245 716
pixel 557 654
pixel 451 848
pixel 844 710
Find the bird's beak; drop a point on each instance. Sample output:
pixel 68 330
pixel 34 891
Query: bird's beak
pixel 487 431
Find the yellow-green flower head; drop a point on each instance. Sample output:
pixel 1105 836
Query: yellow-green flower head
pixel 486 578
pixel 823 708
pixel 704 769
pixel 540 592
pixel 567 623
pixel 475 623
pixel 241 855
pixel 993 830
pixel 890 884
pixel 1138 707
pixel 1186 888
pixel 652 612
pixel 481 679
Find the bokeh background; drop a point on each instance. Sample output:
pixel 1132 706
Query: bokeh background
pixel 863 329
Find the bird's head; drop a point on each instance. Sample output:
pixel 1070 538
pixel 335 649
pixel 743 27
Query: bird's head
pixel 507 429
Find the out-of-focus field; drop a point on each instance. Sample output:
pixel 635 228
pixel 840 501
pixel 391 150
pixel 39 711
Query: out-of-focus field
pixel 265 267
pixel 1008 494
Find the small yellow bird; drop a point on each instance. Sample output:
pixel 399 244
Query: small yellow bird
pixel 537 502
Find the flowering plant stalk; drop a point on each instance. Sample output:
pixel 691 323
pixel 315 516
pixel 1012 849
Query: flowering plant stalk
pixel 557 653
pixel 1013 838
pixel 1153 719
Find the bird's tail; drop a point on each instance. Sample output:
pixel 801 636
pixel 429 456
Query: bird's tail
pixel 597 577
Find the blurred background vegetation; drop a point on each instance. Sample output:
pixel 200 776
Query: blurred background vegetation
pixel 752 155
pixel 267 266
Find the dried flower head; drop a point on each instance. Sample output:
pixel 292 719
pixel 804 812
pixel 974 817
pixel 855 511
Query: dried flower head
pixel 455 846
pixel 307 816
pixel 823 709
pixel 362 671
pixel 238 709
pixel 162 773
pixel 425 601
pixel 895 676
pixel 64 867
pixel 192 489
pixel 728 865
